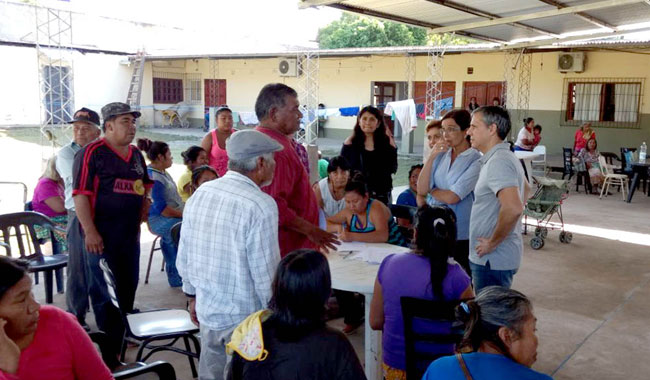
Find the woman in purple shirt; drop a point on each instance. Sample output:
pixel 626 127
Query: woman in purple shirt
pixel 428 272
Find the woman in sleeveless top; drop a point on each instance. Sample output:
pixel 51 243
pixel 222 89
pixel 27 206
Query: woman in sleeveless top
pixel 331 189
pixel 215 142
pixel 365 220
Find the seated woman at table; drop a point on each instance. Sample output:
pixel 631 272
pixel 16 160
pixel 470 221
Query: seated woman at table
pixel 428 273
pixel 193 157
pixel 167 207
pixel 48 199
pixel 291 340
pixel 589 156
pixel 331 189
pixel 364 219
pixel 40 342
pixel 500 333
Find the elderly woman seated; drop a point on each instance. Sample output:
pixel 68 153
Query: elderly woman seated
pixel 40 342
pixel 500 333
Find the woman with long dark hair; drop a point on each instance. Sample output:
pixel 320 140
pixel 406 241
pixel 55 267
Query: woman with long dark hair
pixel 425 273
pixel 167 207
pixel 499 333
pixel 372 151
pixel 290 340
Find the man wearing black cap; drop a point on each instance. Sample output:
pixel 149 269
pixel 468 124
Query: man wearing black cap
pixel 85 128
pixel 110 186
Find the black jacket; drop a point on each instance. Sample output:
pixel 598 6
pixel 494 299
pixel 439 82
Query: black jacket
pixel 377 166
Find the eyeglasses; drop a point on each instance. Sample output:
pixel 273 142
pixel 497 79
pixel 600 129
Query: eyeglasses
pixel 450 130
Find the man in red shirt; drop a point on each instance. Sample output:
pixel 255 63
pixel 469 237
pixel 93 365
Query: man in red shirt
pixel 277 108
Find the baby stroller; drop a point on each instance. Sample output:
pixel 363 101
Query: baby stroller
pixel 546 202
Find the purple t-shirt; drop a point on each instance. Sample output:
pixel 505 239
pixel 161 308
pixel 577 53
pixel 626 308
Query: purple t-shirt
pixel 46 188
pixel 409 274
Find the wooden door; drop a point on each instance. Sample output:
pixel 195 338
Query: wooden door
pixel 420 91
pixel 385 92
pixel 215 92
pixel 483 91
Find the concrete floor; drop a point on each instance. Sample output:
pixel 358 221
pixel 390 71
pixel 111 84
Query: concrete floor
pixel 590 297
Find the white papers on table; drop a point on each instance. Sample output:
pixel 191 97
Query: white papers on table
pixel 351 246
pixel 368 253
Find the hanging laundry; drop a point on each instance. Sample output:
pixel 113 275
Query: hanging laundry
pixel 328 112
pixel 446 104
pixel 349 111
pixel 419 110
pixel 404 113
pixel 248 118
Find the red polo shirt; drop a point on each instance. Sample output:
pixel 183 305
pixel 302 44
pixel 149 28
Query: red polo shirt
pixel 292 192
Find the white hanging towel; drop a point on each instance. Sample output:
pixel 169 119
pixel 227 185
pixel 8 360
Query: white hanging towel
pixel 404 113
pixel 248 118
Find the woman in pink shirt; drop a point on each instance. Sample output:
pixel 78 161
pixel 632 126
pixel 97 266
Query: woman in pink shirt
pixel 49 200
pixel 215 142
pixel 40 342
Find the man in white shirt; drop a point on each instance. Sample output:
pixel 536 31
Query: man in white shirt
pixel 85 128
pixel 229 248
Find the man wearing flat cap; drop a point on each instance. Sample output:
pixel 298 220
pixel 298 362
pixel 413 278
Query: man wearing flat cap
pixel 229 248
pixel 110 186
pixel 85 128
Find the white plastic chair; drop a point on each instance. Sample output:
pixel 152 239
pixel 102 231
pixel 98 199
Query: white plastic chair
pixel 539 165
pixel 612 179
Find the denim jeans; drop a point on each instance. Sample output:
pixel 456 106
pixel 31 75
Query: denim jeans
pixel 162 226
pixel 483 276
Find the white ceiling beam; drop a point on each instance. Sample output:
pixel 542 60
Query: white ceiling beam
pixel 585 17
pixel 315 3
pixel 536 15
pixel 551 41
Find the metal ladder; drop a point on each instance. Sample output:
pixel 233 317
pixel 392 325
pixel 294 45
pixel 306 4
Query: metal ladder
pixel 135 88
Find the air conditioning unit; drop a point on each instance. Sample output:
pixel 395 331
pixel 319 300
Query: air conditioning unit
pixel 288 67
pixel 571 62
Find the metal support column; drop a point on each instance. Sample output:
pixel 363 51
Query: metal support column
pixel 307 88
pixel 432 106
pixel 53 38
pixel 516 89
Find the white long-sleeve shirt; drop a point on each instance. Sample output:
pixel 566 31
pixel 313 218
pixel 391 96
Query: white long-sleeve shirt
pixel 228 250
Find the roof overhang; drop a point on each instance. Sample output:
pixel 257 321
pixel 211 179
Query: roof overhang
pixel 511 23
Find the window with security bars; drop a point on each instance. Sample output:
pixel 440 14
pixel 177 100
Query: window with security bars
pixel 607 102
pixel 167 90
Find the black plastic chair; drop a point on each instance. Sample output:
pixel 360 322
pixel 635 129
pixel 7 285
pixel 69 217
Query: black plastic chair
pixel 176 233
pixel 146 327
pixel 19 227
pixel 431 331
pixel 567 156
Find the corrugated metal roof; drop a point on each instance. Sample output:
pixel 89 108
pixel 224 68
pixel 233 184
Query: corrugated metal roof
pixel 439 13
pixel 401 50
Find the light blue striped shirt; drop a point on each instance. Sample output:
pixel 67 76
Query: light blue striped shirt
pixel 459 177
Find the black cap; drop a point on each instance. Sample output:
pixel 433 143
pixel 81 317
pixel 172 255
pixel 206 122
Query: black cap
pixel 86 115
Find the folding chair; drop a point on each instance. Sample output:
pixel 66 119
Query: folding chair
pixel 539 165
pixel 153 249
pixel 159 370
pixel 612 179
pixel 431 331
pixel 145 327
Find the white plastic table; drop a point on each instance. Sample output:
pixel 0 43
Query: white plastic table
pixel 359 276
pixel 526 158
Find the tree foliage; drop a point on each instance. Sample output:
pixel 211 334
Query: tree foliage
pixel 358 31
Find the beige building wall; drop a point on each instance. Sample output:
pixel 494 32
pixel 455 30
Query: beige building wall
pixel 347 81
